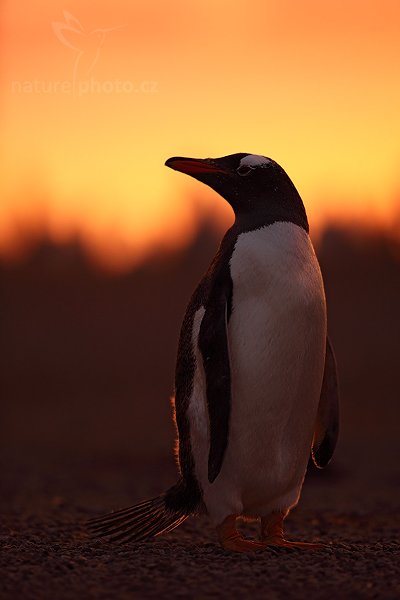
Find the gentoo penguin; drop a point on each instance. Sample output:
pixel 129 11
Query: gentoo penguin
pixel 256 386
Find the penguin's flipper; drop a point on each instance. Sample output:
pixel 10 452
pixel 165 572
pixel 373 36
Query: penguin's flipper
pixel 214 347
pixel 327 423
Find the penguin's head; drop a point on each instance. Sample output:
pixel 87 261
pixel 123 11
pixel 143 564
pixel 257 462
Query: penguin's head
pixel 255 186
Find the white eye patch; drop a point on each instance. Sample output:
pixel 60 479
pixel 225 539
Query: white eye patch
pixel 253 161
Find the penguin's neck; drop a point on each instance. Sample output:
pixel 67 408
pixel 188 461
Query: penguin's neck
pixel 249 221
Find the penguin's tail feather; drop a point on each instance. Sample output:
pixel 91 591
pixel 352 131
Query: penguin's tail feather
pixel 141 521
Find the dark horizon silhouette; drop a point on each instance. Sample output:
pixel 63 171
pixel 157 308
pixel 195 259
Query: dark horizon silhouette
pixel 83 343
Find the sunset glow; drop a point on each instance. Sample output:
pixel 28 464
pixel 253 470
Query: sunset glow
pixel 95 97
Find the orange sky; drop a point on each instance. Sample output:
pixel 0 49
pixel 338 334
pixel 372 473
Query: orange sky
pixel 87 127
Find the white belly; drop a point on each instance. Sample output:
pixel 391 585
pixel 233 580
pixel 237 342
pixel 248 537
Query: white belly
pixel 277 334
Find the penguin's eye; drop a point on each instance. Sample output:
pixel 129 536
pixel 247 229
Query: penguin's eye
pixel 244 170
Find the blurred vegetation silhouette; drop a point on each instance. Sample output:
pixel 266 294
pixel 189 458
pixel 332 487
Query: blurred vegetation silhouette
pixel 87 357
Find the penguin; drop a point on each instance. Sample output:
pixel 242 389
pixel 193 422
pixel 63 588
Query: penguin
pixel 256 387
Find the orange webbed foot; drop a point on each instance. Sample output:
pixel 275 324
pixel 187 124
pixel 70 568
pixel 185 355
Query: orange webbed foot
pixel 231 539
pixel 280 542
pixel 272 534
